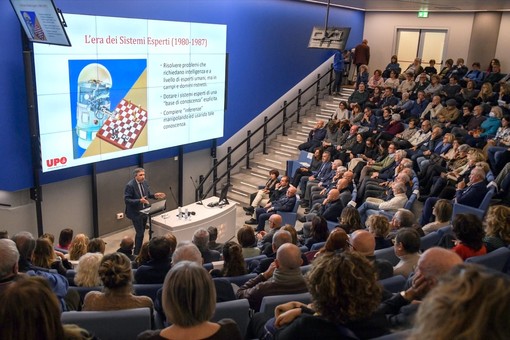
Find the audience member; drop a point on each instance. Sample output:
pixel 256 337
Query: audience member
pixel 284 204
pixel 282 277
pixel 189 301
pixel 497 227
pixel 350 220
pixel 78 247
pixel 469 303
pixel 363 242
pixel 401 308
pixel 247 239
pixel 143 256
pixel 201 239
pixel 469 233
pixel 87 273
pixel 379 227
pixel 9 257
pixel 442 212
pixel 233 261
pixel 44 257
pixel 96 245
pixel 117 278
pixel 213 236
pixel 262 196
pixel 65 238
pixel 345 296
pixel 264 238
pixel 407 248
pixel 154 271
pixel 318 232
pixel 126 247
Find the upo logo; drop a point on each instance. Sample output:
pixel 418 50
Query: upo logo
pixel 56 162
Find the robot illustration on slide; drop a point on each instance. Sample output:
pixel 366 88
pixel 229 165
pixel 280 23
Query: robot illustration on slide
pixel 120 127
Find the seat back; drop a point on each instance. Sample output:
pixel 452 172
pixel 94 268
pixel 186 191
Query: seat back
pixel 237 310
pixel 495 260
pixel 240 280
pixel 120 324
pixel 430 240
pixel 70 274
pixel 269 303
pixel 150 290
pixel 387 254
pixel 317 246
pixel 487 199
pixel 332 225
pixel 393 284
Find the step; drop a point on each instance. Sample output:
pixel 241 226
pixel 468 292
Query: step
pixel 288 152
pixel 240 198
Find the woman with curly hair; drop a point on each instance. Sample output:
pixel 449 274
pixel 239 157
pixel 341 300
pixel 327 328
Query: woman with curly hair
pixel 469 232
pixel 233 261
pixel 469 303
pixel 379 226
pixel 78 247
pixel 117 278
pixel 345 297
pixel 87 273
pixel 497 227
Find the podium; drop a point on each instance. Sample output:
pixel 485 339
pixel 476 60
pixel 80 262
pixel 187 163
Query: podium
pixel 222 217
pixel 153 209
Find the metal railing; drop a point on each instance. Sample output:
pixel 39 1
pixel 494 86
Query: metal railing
pixel 252 143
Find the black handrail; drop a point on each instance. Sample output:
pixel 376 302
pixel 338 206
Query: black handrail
pixel 200 193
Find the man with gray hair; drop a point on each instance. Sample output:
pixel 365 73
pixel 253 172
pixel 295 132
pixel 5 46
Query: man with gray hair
pixel 201 240
pixel 433 263
pixel 9 257
pixel 398 201
pixel 282 277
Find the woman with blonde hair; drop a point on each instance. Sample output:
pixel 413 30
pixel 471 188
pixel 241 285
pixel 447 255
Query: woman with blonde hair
pixel 379 226
pixel 469 303
pixel 189 301
pixel 497 227
pixel 87 273
pixel 117 278
pixel 78 247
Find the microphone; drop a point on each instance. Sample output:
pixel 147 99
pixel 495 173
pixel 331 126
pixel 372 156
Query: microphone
pixel 173 196
pixel 196 190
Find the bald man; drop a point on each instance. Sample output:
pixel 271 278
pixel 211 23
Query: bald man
pixel 282 277
pixel 126 247
pixel 432 265
pixel 265 239
pixel 284 204
pixel 363 242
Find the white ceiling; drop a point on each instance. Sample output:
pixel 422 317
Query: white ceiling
pixel 417 5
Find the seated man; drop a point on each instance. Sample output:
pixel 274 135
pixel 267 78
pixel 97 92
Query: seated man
pixel 213 236
pixel 401 308
pixel 154 271
pixel 363 242
pixel 282 277
pixel 323 170
pixel 471 194
pixel 319 183
pixel 126 247
pixel 315 137
pixel 397 202
pixel 331 209
pixel 265 240
pixel 201 240
pixel 284 204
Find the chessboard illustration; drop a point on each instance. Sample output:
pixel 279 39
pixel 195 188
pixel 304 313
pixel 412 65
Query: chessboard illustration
pixel 124 125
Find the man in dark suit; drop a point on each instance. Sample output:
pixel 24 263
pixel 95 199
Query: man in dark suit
pixel 136 196
pixel 284 204
pixel 159 264
pixel 471 194
pixel 331 209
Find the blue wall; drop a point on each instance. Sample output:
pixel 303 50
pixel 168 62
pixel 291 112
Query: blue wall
pixel 267 45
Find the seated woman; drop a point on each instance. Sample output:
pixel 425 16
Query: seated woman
pixel 264 194
pixel 407 249
pixel 486 95
pixel 468 231
pixel 350 220
pixel 189 301
pixel 87 273
pixel 374 99
pixel 30 310
pixel 392 66
pixel 488 129
pixel 318 232
pixel 233 261
pixel 497 227
pixel 392 81
pixel 362 76
pixel 78 247
pixel 470 302
pixel 345 296
pixel 117 278
pixel 442 212
pixel 247 240
pixel 375 81
pixel 379 226
pixel 44 256
pixel 341 113
pixel 497 147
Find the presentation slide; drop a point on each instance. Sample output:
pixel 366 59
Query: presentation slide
pixel 128 86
